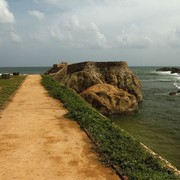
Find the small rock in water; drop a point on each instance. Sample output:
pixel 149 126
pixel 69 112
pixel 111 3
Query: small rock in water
pixel 173 93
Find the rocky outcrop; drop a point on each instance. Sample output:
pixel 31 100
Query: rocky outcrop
pixel 172 69
pixel 111 87
pixel 109 99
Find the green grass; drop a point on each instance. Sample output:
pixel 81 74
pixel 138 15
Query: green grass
pixel 8 87
pixel 116 146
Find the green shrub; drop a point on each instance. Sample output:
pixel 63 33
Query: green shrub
pixel 115 146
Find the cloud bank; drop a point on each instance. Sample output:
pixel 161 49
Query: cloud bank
pixel 144 32
pixel 6 16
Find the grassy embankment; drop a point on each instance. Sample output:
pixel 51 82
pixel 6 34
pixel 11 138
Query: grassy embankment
pixel 116 146
pixel 8 87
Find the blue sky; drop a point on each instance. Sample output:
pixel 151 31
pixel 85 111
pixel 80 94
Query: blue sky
pixel 44 32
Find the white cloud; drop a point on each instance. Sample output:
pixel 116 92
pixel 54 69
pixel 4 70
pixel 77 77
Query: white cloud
pixel 99 36
pixel 37 14
pixel 74 33
pixel 5 15
pixel 133 37
pixel 16 38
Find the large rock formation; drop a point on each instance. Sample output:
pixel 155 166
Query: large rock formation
pixel 111 87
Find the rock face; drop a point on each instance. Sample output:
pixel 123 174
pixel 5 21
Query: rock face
pixel 172 69
pixel 109 99
pixel 56 68
pixel 111 87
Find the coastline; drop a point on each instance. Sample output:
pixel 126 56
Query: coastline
pixel 165 161
pixel 95 124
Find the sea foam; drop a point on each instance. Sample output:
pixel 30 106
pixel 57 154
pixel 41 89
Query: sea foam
pixel 177 85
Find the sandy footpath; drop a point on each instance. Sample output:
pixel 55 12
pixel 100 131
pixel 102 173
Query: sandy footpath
pixel 38 143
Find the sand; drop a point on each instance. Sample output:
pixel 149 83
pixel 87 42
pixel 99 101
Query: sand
pixel 38 143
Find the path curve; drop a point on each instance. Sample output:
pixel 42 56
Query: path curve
pixel 38 143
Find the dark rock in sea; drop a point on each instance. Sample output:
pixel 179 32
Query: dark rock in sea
pixel 111 87
pixel 178 91
pixel 173 93
pixel 172 69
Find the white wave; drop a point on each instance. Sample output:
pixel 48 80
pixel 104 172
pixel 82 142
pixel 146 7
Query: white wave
pixel 175 74
pixel 177 85
pixel 156 80
pixel 167 73
pixel 164 72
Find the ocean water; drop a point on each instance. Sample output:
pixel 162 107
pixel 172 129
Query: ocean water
pixel 157 122
pixel 24 70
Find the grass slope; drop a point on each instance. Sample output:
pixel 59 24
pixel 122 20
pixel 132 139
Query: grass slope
pixel 116 146
pixel 8 87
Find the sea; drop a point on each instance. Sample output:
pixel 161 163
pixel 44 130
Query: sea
pixel 24 70
pixel 157 122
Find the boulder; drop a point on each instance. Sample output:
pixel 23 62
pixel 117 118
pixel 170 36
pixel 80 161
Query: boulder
pixel 15 73
pixel 82 76
pixel 173 93
pixel 108 99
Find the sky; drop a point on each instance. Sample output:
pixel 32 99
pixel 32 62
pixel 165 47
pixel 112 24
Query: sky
pixel 45 32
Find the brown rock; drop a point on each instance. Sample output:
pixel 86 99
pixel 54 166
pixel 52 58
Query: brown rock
pixel 125 85
pixel 56 68
pixel 173 93
pixel 109 99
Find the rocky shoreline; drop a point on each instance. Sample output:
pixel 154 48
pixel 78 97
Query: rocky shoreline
pixel 173 70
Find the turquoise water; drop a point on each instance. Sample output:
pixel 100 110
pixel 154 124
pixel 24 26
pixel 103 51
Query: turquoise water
pixel 157 123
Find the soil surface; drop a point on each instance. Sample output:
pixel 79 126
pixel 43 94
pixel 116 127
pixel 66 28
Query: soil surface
pixel 38 143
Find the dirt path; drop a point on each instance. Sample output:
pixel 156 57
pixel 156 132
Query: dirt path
pixel 38 143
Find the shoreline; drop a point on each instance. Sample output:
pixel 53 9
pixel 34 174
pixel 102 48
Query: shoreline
pixel 94 123
pixel 156 155
pixel 166 162
pixel 169 165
